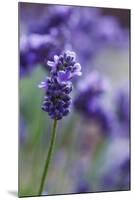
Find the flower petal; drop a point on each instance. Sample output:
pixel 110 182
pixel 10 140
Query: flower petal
pixel 70 54
pixel 42 85
pixel 76 74
pixel 56 59
pixel 51 63
pixel 77 66
pixel 64 76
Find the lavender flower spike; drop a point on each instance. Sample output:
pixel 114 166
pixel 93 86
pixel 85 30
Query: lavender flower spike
pixel 57 100
pixel 59 86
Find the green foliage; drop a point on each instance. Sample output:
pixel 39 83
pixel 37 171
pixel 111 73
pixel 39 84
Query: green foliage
pixel 30 103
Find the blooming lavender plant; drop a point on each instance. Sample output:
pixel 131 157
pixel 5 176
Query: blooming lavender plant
pixel 59 85
pixel 89 101
pixel 93 32
pixel 34 47
pixel 55 18
pixel 57 100
pixel 50 35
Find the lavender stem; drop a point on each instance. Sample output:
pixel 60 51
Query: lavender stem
pixel 47 162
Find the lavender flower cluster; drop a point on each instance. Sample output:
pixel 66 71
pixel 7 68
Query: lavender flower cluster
pixel 56 18
pixel 58 86
pixel 89 101
pixel 88 33
pixel 32 50
pixel 93 32
pixel 43 39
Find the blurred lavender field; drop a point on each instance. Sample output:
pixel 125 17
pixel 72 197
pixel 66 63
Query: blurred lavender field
pixel 92 152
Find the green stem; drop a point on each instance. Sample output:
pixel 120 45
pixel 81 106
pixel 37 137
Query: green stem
pixel 48 158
